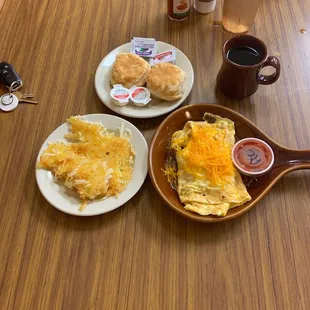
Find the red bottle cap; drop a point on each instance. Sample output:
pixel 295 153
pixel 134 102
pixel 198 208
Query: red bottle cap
pixel 252 156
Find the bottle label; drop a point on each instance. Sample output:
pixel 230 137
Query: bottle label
pixel 180 7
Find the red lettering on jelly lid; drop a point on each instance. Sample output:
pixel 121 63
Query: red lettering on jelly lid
pixel 137 91
pixel 163 55
pixel 122 96
pixel 252 156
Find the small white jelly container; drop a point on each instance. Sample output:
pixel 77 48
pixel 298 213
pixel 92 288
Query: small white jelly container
pixel 140 96
pixel 120 95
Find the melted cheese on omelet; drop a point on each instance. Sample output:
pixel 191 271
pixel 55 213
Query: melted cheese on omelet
pixel 96 164
pixel 208 182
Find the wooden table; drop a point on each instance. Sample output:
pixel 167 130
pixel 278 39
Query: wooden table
pixel 143 255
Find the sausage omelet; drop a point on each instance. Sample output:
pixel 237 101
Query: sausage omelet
pixel 207 181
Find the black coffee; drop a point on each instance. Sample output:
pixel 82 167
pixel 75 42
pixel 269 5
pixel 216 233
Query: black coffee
pixel 244 55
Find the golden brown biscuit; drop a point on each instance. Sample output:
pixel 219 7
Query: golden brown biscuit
pixel 165 81
pixel 129 69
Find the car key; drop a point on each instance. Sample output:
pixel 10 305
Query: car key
pixel 8 76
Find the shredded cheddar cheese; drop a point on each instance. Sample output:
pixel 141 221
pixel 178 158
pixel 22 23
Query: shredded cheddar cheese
pixel 171 174
pixel 208 153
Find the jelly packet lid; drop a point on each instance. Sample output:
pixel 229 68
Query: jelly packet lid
pixel 120 94
pixel 140 96
pixel 144 47
pixel 167 56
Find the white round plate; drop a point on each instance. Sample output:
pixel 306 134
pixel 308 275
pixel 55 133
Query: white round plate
pixel 67 200
pixel 157 106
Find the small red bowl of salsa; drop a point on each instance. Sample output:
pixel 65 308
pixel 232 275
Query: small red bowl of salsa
pixel 252 157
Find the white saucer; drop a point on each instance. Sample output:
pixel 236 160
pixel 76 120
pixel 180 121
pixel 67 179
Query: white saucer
pixel 67 200
pixel 157 106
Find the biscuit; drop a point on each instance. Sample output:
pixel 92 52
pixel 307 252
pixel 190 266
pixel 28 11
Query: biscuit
pixel 129 69
pixel 165 81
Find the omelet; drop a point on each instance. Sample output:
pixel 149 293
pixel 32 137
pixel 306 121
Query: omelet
pixel 207 181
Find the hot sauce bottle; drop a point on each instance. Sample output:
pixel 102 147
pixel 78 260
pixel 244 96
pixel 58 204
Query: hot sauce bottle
pixel 178 10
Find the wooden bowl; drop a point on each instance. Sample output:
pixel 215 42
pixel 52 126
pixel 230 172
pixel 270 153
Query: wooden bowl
pixel 286 160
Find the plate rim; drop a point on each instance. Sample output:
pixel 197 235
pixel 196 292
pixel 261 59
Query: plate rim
pixel 99 212
pixel 169 109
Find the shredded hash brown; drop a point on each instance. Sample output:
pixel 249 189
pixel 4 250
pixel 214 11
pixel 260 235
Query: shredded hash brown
pixel 96 163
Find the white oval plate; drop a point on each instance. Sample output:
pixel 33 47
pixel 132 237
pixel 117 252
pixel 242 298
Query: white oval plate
pixel 157 106
pixel 67 200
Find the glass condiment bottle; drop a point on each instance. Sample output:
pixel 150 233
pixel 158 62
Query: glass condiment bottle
pixel 178 10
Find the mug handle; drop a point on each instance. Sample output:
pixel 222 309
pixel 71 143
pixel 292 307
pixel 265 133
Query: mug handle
pixel 269 79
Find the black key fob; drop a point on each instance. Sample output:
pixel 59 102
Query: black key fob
pixel 8 76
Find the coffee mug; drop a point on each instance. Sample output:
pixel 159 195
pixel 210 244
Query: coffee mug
pixel 243 58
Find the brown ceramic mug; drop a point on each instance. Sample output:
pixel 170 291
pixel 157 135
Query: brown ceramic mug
pixel 239 81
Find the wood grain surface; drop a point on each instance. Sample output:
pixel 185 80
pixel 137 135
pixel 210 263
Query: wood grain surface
pixel 143 255
pixel 1 4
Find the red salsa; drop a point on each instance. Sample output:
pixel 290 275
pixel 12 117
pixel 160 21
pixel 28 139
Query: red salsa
pixel 253 156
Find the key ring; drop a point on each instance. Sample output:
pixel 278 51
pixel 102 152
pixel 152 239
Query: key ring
pixel 12 88
pixel 7 102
